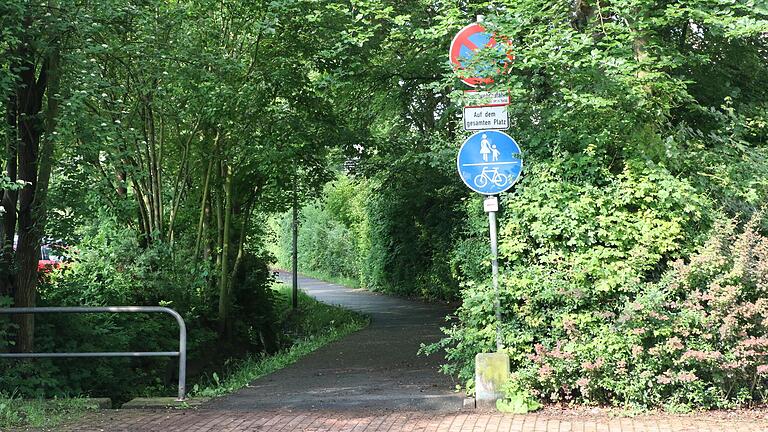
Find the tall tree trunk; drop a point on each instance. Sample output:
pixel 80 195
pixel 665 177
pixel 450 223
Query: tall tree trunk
pixel 206 245
pixel 219 204
pixel 9 198
pixel 33 210
pixel 639 46
pixel 223 279
pixel 203 205
pixel 151 153
pixel 179 185
pixel 122 177
pixel 45 158
pixel 145 225
pixel 246 217
pixel 158 186
pixel 30 91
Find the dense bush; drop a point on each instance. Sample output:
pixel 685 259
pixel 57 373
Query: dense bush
pixel 392 233
pixel 326 244
pixel 696 338
pixel 414 215
pixel 589 316
pixel 331 232
pixel 110 268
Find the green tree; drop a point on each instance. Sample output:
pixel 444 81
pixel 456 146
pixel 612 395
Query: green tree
pixel 32 54
pixel 640 124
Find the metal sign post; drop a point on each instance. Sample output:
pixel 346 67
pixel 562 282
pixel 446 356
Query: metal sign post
pixel 295 252
pixel 491 205
pixel 489 162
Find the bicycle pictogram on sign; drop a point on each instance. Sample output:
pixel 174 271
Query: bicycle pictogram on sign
pixel 489 162
pixel 490 175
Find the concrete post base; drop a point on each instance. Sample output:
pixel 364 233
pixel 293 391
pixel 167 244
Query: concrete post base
pixel 491 373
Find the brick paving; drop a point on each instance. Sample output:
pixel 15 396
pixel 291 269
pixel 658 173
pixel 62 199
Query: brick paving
pixel 466 421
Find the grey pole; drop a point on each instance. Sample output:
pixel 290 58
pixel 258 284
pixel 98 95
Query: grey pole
pixel 182 354
pixel 495 270
pixel 295 254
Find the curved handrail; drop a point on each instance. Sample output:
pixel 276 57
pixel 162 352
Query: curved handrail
pixel 181 353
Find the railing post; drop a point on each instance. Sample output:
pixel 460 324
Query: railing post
pixel 182 354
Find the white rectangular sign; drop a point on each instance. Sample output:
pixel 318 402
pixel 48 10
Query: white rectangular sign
pixel 491 204
pixel 486 118
pixel 484 98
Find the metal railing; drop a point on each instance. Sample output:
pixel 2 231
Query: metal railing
pixel 181 353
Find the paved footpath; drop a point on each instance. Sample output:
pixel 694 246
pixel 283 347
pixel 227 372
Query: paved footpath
pixel 378 367
pixel 374 381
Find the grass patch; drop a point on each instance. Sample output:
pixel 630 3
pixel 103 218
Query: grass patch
pixel 311 326
pixel 43 413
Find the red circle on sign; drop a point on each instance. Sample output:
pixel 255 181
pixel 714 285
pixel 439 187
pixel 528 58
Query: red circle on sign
pixel 463 42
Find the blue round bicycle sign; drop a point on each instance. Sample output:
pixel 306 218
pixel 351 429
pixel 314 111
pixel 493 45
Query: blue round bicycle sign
pixel 489 162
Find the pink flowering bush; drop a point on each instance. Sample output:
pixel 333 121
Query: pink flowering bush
pixel 696 338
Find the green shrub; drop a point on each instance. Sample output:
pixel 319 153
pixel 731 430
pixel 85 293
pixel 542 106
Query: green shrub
pixel 18 413
pixel 393 232
pixel 695 338
pixel 110 268
pixel 516 400
pixel 326 245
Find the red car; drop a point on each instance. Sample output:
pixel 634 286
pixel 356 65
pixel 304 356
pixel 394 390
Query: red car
pixel 48 261
pixel 48 258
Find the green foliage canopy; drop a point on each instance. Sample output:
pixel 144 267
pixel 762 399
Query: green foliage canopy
pixel 644 127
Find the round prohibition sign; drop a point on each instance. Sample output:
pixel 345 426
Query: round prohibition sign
pixel 465 45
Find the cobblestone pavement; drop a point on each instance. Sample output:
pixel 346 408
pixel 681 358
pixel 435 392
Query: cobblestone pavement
pixel 282 421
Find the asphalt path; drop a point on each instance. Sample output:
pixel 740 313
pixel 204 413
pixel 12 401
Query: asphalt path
pixel 376 369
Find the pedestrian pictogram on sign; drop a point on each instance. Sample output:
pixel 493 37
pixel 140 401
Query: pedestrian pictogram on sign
pixel 489 162
pixel 465 45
